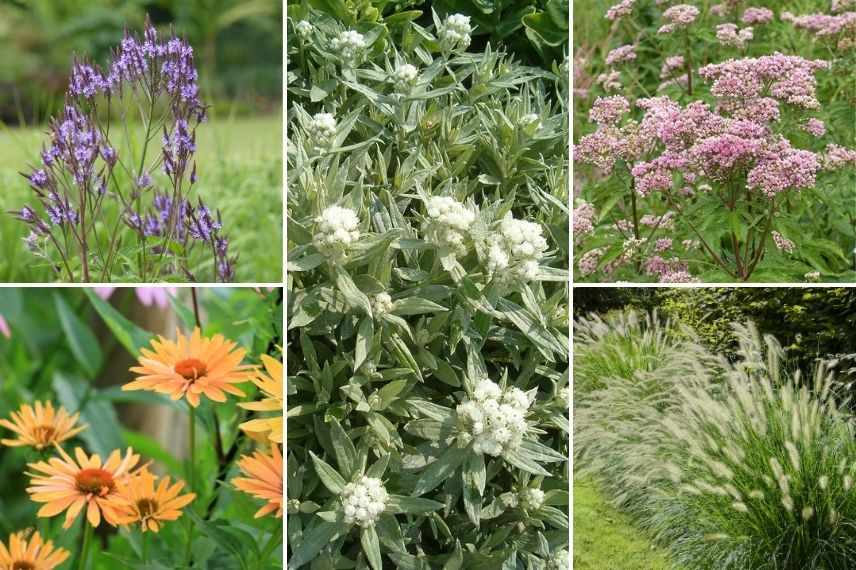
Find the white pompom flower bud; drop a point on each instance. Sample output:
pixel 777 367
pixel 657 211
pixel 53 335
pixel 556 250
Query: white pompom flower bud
pixel 349 45
pixel 531 499
pixel 494 420
pixel 382 304
pixel 560 560
pixel 530 123
pixel 455 31
pixel 322 129
pixel 448 223
pixel 363 501
pixel 303 28
pixel 405 75
pixel 515 252
pixel 337 230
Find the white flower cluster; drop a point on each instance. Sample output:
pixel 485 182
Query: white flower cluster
pixel 563 397
pixel 531 499
pixel 364 501
pixel 560 560
pixel 448 221
pixel 304 28
pixel 322 128
pixel 495 420
pixel 530 122
pixel 349 45
pixel 338 228
pixel 455 31
pixel 405 75
pixel 382 304
pixel 516 251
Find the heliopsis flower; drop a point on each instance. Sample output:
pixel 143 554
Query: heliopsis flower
pixel 190 367
pixel 138 500
pixel 30 555
pixel 271 385
pixel 65 484
pixel 263 479
pixel 40 426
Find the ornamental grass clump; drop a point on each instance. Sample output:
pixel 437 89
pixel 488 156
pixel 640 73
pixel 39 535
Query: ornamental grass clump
pixel 731 142
pixel 116 181
pixel 729 463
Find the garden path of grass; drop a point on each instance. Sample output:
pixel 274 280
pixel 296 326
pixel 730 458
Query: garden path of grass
pixel 240 172
pixel 605 539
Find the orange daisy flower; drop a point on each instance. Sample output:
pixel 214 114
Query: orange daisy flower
pixel 263 479
pixel 271 385
pixel 138 500
pixel 30 555
pixel 40 426
pixel 64 484
pixel 190 367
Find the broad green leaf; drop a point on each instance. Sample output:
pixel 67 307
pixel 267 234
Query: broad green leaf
pixel 440 470
pixel 84 346
pixel 371 547
pixel 399 504
pixel 365 335
pixel 430 429
pixel 416 306
pixel 127 333
pixel 355 298
pixel 76 395
pixel 237 542
pixel 313 541
pixel 328 476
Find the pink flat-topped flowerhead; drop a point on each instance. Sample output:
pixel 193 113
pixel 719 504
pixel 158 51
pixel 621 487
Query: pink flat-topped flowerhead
pixel 609 110
pixel 753 15
pixel 679 16
pixel 4 328
pixel 621 54
pixel 620 10
pixel 814 127
pixel 784 168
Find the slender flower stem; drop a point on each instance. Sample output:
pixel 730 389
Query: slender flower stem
pixel 145 547
pixel 271 544
pixel 191 468
pixel 84 548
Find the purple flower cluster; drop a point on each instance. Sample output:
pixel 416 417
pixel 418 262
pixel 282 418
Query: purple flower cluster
pixel 754 15
pixel 583 216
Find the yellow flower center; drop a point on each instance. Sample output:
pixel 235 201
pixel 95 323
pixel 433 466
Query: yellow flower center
pixel 95 481
pixel 147 507
pixel 23 565
pixel 44 434
pixel 191 368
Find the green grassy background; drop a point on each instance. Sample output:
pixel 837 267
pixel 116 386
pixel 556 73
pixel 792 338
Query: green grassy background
pixel 605 539
pixel 240 172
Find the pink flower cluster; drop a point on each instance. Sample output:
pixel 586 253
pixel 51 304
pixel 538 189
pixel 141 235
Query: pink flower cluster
pixel 609 110
pixel 583 216
pixel 788 78
pixel 814 127
pixel 589 261
pixel 678 16
pixel 730 35
pixel 754 15
pixel 823 25
pixel 782 243
pixel 837 157
pixel 623 8
pixel 668 270
pixel 621 54
pixel 672 64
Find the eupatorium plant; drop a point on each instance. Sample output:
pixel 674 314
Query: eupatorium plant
pixel 115 184
pixel 712 168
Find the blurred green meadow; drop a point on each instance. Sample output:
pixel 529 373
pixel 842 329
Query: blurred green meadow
pixel 240 172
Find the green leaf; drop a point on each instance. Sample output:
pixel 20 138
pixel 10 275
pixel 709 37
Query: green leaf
pixel 440 470
pixel 238 543
pixel 148 447
pixel 84 345
pixel 399 504
pixel 343 447
pixel 365 335
pixel 329 476
pixel 416 306
pixel 371 547
pixel 305 263
pixel 104 434
pixel 127 333
pixel 314 540
pixel 430 429
pixel 355 298
pixel 515 458
pixel 456 560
